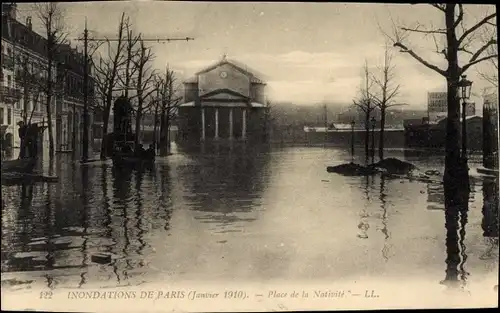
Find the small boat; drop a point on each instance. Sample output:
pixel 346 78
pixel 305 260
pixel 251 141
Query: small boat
pixel 130 160
pixel 129 157
pixel 25 165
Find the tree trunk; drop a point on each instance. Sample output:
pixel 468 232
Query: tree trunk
pixel 456 177
pixel 381 136
pixel 74 130
pixel 105 140
pixel 22 152
pixel 49 106
pixel 367 135
pixel 137 125
pixel 167 129
pixel 163 125
pixel 155 126
pixel 49 124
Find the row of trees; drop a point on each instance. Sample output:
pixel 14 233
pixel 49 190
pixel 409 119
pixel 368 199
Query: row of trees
pixel 456 40
pixel 120 65
pixel 124 65
pixel 378 90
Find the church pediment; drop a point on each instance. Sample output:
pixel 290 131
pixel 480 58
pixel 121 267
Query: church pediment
pixel 224 94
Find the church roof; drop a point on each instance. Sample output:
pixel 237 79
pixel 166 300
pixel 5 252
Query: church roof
pixel 235 64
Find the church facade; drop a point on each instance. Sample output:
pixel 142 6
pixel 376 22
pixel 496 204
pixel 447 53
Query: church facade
pixel 224 102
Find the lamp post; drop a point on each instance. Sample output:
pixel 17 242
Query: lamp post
pixel 374 122
pixel 465 90
pixel 352 140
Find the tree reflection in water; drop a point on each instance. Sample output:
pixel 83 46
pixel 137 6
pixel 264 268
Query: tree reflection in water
pixel 165 198
pixel 49 232
pixel 489 222
pixel 139 213
pixel 455 222
pixel 363 225
pixel 383 206
pixel 122 181
pixel 85 223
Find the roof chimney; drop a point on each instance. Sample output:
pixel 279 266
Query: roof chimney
pixel 28 22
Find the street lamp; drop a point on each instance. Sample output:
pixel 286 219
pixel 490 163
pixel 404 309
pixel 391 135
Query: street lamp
pixel 374 122
pixel 352 140
pixel 465 91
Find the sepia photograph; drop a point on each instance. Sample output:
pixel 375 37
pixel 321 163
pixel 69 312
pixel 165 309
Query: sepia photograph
pixel 195 156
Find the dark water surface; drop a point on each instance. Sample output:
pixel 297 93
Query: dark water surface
pixel 243 215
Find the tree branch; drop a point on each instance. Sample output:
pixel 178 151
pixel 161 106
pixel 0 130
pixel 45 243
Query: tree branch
pixel 466 67
pixel 439 6
pixel 418 58
pixel 475 27
pixel 460 15
pixel 416 30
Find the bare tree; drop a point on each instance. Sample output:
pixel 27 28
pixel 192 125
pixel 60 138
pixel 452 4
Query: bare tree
pixel 29 80
pixel 387 91
pixel 106 72
pixel 131 53
pixel 51 16
pixel 491 73
pixel 169 105
pixel 269 120
pixel 366 103
pixel 144 85
pixel 155 109
pixel 459 38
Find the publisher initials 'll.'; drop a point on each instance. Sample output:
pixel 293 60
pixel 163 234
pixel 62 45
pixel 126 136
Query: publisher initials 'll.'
pixel 370 294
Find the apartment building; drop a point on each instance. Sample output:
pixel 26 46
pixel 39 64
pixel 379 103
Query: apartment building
pixel 24 74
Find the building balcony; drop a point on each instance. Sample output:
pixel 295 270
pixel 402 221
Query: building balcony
pixel 7 62
pixel 9 93
pixel 31 78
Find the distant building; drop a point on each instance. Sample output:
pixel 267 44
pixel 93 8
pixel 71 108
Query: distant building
pixel 424 135
pixel 490 126
pixel 223 102
pixel 437 106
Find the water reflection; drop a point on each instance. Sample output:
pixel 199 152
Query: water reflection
pixel 455 222
pixel 226 189
pixel 489 223
pixel 268 209
pixel 490 208
pixel 60 226
pixel 383 206
pixel 435 196
pixel 363 225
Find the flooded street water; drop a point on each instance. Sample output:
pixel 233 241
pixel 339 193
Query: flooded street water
pixel 242 216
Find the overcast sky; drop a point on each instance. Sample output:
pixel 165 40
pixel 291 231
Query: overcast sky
pixel 308 52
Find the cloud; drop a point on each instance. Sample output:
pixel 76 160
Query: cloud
pixel 311 77
pixel 312 91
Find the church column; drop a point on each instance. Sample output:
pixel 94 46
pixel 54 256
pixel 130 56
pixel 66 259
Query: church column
pixel 202 123
pixel 230 123
pixel 244 127
pixel 216 123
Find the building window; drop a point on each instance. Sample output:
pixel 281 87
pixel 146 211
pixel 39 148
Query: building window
pixel 9 79
pixel 9 116
pixel 1 116
pixel 18 105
